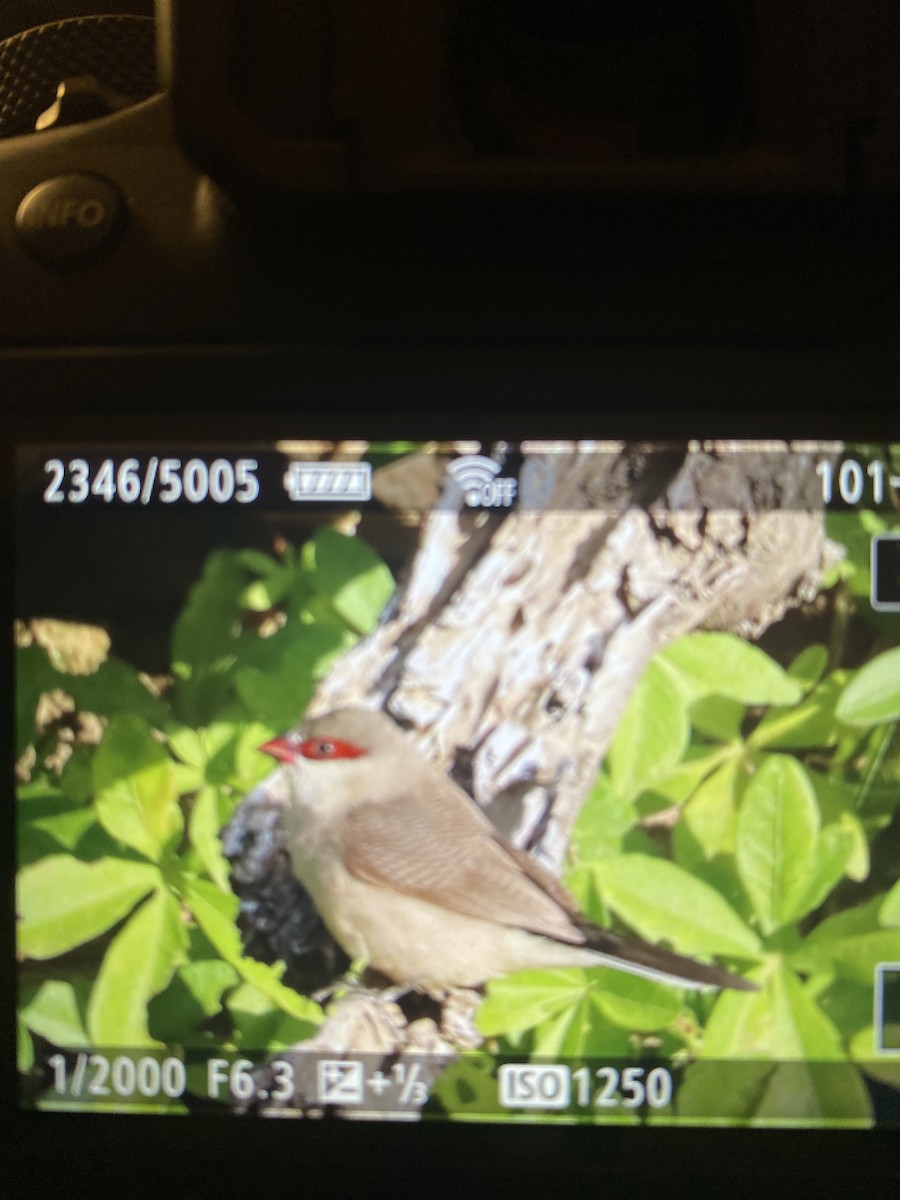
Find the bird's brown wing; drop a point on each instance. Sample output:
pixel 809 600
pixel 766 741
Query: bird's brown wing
pixel 448 853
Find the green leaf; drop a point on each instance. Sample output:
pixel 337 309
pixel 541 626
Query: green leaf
pixel 723 1091
pixel 201 693
pixel 76 781
pixel 139 963
pixel 847 1005
pixel 259 563
pixel 204 746
pixel 63 902
pixel 580 884
pixel 54 1013
pixel 681 783
pixel 526 998
pixel 42 797
pixel 215 913
pixel 708 822
pixel 809 665
pixel 193 996
pixel 565 1008
pixel 663 902
pixel 838 800
pixel 721 664
pixel 778 827
pixel 203 830
pixel 810 723
pixel 779 1021
pixel 206 981
pixel 783 1023
pixel 850 944
pixel 279 695
pixel 261 1024
pixel 581 1031
pixel 75 830
pixel 858 862
pixel 353 577
pixel 651 736
pixel 889 913
pixel 816 1091
pixel 250 766
pixel 834 850
pixel 34 676
pixel 223 752
pixel 265 593
pixel 136 798
pixel 873 695
pixel 209 622
pixel 116 688
pixel 604 818
pixel 24 1047
pixel 68 828
pixel 718 718
pixel 636 1004
pixel 854 531
pixel 849 922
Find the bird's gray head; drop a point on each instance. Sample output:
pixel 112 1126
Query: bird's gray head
pixel 339 735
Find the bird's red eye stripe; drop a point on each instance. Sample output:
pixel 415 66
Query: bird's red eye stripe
pixel 288 748
pixel 326 747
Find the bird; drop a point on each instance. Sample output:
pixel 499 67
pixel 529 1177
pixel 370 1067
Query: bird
pixel 413 880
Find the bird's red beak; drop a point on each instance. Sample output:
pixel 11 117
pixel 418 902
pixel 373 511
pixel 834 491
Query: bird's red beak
pixel 282 749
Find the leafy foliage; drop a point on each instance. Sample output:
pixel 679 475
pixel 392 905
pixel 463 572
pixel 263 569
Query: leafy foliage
pixel 121 867
pixel 736 816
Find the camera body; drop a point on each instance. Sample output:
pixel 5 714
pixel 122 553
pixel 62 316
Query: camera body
pixel 532 222
pixel 536 171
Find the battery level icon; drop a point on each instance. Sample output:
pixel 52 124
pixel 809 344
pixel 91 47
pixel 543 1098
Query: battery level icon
pixel 344 481
pixel 887 1008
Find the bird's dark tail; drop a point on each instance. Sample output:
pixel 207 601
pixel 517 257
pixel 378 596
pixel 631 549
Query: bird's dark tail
pixel 640 958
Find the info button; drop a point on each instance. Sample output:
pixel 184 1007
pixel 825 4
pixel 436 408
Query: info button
pixel 70 217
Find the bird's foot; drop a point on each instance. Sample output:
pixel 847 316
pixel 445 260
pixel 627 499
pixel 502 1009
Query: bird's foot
pixel 348 982
pixel 361 979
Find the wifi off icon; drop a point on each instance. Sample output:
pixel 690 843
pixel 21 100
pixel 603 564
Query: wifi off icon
pixel 477 478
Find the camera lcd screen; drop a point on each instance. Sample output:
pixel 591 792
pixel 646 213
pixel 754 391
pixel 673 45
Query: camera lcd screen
pixel 535 782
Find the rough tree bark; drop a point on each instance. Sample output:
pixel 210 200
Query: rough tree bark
pixel 517 640
pixel 518 637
